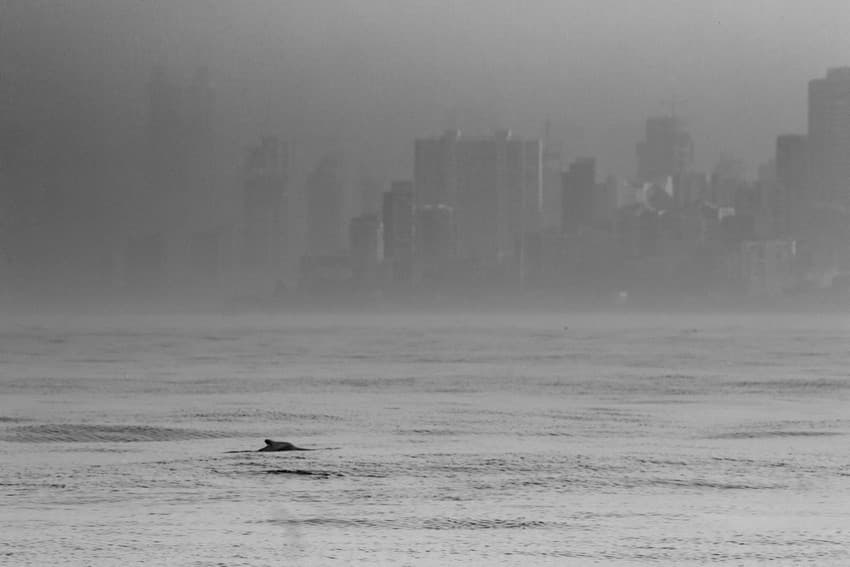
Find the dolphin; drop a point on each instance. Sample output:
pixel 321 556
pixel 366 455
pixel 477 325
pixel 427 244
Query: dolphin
pixel 272 445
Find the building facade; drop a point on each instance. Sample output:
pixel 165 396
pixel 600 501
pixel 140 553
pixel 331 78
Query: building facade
pixel 792 195
pixel 366 246
pixel 829 136
pixel 399 229
pixel 578 185
pixel 666 150
pixel 325 200
pixel 493 185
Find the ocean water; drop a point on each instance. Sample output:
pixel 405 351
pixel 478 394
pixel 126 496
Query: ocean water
pixel 441 439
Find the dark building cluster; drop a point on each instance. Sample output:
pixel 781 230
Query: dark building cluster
pixel 495 213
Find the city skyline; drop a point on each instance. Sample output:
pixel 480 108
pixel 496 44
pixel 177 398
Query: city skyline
pixel 173 183
pixel 737 71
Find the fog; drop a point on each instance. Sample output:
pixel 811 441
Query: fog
pixel 366 78
pixel 431 282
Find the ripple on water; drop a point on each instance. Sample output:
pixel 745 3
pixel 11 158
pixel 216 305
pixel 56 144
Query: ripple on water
pixel 78 433
pixel 434 523
pixel 769 434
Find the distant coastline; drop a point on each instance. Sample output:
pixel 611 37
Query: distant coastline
pixel 815 301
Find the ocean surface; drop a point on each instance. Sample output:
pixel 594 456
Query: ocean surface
pixel 441 439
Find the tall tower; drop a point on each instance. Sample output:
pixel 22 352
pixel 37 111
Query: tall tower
pixel 551 178
pixel 667 150
pixel 578 188
pixel 829 136
pixel 791 175
pixel 398 221
pixel 493 184
pixel 325 207
pixel 434 169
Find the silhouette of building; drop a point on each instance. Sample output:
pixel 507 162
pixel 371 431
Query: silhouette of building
pixel 265 205
pixel 578 185
pixel 792 196
pixel 435 233
pixel 493 184
pixel 666 150
pixel 369 191
pixel 727 179
pixel 366 247
pixel 551 179
pixel 398 221
pixel 435 169
pixel 325 207
pixel 829 136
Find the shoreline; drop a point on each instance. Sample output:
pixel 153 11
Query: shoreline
pixel 433 304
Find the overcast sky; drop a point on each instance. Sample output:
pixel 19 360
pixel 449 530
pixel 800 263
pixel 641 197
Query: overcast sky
pixel 370 75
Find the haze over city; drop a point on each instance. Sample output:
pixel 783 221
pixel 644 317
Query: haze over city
pixel 363 80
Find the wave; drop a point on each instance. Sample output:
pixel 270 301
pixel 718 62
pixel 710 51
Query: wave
pixel 76 433
pixel 773 434
pixel 437 523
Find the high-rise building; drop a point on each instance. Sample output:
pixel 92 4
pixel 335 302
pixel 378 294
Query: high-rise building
pixel 265 226
pixel 667 150
pixel 368 191
pixel 366 246
pixel 325 207
pixel 551 180
pixel 398 220
pixel 435 234
pixel 791 164
pixel 829 136
pixel 434 169
pixel 728 177
pixel 493 184
pixel 578 185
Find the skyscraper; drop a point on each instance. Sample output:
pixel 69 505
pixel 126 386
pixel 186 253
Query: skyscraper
pixel 325 223
pixel 667 150
pixel 434 169
pixel 551 179
pixel 577 198
pixel 366 246
pixel 829 136
pixel 492 183
pixel 435 233
pixel 398 220
pixel 791 176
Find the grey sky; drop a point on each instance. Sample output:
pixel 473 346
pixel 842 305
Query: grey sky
pixel 376 73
